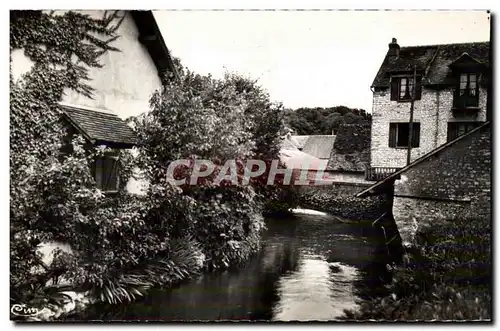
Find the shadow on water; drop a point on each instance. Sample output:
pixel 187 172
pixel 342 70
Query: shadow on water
pixel 310 267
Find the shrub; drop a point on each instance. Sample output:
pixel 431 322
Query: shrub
pixel 199 117
pixel 445 276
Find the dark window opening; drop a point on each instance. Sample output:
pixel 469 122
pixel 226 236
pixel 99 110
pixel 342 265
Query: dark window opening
pixel 106 173
pixel 399 134
pixel 456 129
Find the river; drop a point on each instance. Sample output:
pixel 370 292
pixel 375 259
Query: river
pixel 310 268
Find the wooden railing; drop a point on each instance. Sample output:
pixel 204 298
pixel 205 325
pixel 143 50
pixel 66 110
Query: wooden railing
pixel 379 173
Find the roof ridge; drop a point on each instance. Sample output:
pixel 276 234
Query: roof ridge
pixel 422 158
pixel 438 45
pixel 90 110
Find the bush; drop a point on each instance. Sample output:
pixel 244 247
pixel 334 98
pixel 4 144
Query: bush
pixel 445 276
pixel 217 120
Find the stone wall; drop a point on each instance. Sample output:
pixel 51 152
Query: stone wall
pixel 454 183
pixel 339 199
pixel 433 112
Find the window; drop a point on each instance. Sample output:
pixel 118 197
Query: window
pixel 467 92
pixel 402 88
pixel 456 129
pixel 405 88
pixel 106 173
pixel 399 134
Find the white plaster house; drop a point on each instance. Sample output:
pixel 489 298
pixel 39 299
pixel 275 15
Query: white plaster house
pixel 450 99
pixel 122 86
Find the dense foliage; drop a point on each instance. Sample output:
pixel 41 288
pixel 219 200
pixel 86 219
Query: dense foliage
pixel 312 121
pixel 51 193
pixel 445 276
pixel 200 117
pixel 352 148
pixel 122 245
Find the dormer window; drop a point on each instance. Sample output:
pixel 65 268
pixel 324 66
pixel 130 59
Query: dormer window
pixel 466 96
pixel 402 88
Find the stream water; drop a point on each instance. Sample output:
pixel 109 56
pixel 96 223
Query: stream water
pixel 310 267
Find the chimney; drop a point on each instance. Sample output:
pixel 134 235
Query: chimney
pixel 393 52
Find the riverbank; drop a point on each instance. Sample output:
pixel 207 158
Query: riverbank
pixel 446 275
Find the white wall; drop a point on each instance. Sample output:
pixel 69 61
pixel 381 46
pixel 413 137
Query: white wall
pixel 123 86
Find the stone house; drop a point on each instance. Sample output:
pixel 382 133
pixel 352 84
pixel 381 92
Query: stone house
pixel 123 87
pixel 450 99
pixel 450 182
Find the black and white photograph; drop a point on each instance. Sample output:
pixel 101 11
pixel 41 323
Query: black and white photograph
pixel 250 165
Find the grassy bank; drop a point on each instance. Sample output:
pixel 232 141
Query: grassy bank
pixel 446 275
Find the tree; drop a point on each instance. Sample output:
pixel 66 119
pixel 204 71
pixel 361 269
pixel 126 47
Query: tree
pixel 317 121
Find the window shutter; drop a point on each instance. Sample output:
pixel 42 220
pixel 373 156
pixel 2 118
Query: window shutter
pixel 99 170
pixel 110 171
pixel 452 128
pixel 415 135
pixel 394 88
pixel 392 134
pixel 418 89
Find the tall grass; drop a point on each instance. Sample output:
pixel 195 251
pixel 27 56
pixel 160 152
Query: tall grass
pixel 446 275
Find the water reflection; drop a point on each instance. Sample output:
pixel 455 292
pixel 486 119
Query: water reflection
pixel 310 267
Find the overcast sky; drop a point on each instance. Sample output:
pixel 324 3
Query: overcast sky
pixel 309 58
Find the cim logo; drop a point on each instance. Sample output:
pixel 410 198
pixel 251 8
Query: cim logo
pixel 23 310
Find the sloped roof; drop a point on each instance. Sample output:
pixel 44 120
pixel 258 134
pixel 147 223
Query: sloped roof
pixel 150 36
pixel 295 159
pixel 300 140
pixel 289 143
pixel 99 127
pixel 319 146
pixel 423 158
pixel 432 61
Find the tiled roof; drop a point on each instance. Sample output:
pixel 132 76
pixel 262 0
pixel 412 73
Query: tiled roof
pixel 319 146
pixel 289 143
pixel 100 127
pixel 432 61
pixel 295 159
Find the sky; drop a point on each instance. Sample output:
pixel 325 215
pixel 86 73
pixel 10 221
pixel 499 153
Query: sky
pixel 309 58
